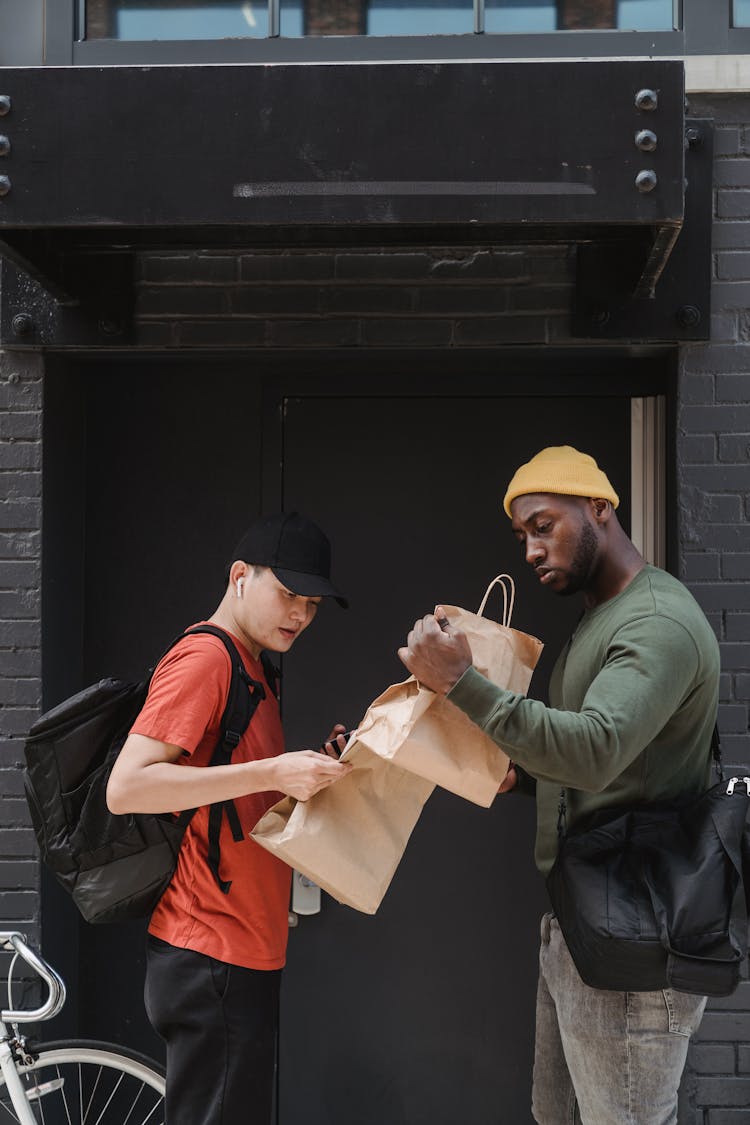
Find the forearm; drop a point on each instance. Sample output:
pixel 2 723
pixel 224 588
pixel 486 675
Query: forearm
pixel 158 787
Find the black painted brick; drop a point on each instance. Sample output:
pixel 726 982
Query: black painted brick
pixel 726 325
pixel 733 265
pixel 726 595
pixel 742 685
pixel 738 627
pixel 733 388
pixel 19 425
pixel 19 662
pixel 725 1027
pixel 732 173
pixel 221 333
pixel 17 842
pixel 18 874
pixel 734 655
pixel 462 300
pixel 397 332
pixel 733 204
pixel 15 573
pixel 314 333
pixel 501 330
pixel 735 567
pixel 286 267
pixel 734 447
pixel 699 567
pixel 698 449
pixel 712 1058
pixel 736 748
pixel 743 1058
pixel 727 141
pixel 22 514
pixel 181 300
pixel 723 509
pixel 276 300
pixel 21 692
pixel 20 603
pixel 367 300
pixel 731 236
pixel 188 268
pixel 726 687
pixel 383 265
pixel 21 633
pixel 716 358
pixel 697 389
pixel 155 334
pixel 20 455
pixel 733 720
pixel 507 265
pixel 14 812
pixel 724 1091
pixel 725 1117
pixel 16 720
pixel 717 478
pixel 20 485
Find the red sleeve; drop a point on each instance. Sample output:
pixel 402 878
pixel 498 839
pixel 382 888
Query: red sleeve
pixel 188 693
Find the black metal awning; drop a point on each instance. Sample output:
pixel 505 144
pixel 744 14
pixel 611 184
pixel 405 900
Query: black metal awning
pixel 98 163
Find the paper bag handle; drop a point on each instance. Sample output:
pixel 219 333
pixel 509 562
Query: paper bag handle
pixel 508 598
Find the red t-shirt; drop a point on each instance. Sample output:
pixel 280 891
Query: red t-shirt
pixel 248 926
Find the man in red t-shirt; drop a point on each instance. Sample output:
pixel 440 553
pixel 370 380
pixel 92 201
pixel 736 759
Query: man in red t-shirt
pixel 214 959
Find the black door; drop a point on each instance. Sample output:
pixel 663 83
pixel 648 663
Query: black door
pixel 422 1014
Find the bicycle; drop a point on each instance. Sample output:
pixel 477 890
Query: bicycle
pixel 71 1081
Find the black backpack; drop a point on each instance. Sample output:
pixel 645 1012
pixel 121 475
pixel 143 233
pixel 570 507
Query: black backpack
pixel 116 867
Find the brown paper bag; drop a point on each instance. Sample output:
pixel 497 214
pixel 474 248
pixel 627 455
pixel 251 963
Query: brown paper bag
pixel 429 736
pixel 350 837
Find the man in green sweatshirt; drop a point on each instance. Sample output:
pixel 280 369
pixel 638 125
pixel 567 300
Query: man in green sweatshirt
pixel 633 703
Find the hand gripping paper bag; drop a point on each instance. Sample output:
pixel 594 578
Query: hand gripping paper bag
pixel 350 837
pixel 435 739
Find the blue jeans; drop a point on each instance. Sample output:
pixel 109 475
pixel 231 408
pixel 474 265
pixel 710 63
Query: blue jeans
pixel 606 1058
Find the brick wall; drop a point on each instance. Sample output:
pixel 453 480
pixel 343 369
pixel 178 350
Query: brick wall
pixel 457 298
pixel 713 455
pixel 20 628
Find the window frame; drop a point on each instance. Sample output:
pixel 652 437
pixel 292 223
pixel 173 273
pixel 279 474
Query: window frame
pixel 700 33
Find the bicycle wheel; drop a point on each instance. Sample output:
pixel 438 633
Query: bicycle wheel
pixel 77 1081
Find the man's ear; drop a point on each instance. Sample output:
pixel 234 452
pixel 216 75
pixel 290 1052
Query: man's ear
pixel 601 508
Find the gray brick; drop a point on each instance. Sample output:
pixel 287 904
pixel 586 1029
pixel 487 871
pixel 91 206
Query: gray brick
pixel 723 1091
pixel 727 141
pixel 712 1058
pixel 16 720
pixel 730 294
pixel 19 544
pixel 698 389
pixel 735 750
pixel 726 688
pixel 17 573
pixel 726 1117
pixel 711 358
pixel 20 662
pixel 738 626
pixel 21 514
pixel 276 300
pixel 723 595
pixel 725 1027
pixel 221 333
pixel 731 236
pixel 733 204
pixel 734 656
pixel 739 1001
pixel 14 812
pixel 736 567
pixel 732 174
pixel 20 425
pixel 20 603
pixel 697 449
pixel 726 326
pixel 19 874
pixel 733 720
pixel 22 633
pixel 18 842
pixel 287 267
pixel 733 388
pixel 20 455
pixel 743 1058
pixel 18 906
pixel 20 485
pixel 21 692
pixel 696 567
pixel 717 478
pixel 408 332
pixel 733 265
pixel 718 536
pixel 742 685
pixel 734 447
pixel 553 299
pixel 155 334
pixel 11 753
pixel 723 509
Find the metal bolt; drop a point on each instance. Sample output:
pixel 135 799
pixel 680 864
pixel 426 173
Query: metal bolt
pixel 645 140
pixel 646 180
pixel 646 99
pixel 4 105
pixel 600 317
pixel 109 327
pixel 22 324
pixel 693 138
pixel 689 316
pixel 4 145
pixel 4 185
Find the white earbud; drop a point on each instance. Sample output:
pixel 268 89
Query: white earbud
pixel 240 582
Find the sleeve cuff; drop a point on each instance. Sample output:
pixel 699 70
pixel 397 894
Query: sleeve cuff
pixel 476 696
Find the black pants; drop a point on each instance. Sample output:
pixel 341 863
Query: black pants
pixel 219 1022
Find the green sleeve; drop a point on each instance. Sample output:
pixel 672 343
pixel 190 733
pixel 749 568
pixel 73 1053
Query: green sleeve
pixel 649 668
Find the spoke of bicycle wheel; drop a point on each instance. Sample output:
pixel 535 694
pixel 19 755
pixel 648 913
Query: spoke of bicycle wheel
pixel 63 1094
pixel 108 1102
pixel 131 1111
pixel 85 1117
pixel 9 1111
pixel 152 1111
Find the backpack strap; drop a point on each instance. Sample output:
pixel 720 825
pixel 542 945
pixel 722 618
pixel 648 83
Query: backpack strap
pixel 243 698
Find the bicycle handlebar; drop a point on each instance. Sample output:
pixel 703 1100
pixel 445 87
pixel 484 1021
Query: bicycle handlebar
pixel 15 941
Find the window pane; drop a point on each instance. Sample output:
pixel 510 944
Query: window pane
pixel 377 17
pixel 509 16
pixel 176 19
pixel 741 13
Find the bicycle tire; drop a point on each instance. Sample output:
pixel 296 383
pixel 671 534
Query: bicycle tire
pixel 72 1081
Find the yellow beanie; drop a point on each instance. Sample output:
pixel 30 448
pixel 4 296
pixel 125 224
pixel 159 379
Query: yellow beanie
pixel 561 469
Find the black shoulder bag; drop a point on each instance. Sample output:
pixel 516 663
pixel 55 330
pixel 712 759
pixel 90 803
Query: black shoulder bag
pixel 657 896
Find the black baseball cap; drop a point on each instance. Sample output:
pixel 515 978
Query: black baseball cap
pixel 295 549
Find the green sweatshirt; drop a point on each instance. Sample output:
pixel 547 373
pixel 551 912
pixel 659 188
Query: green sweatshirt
pixel 633 704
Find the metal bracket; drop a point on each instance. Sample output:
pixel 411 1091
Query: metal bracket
pixel 97 313
pixel 611 300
